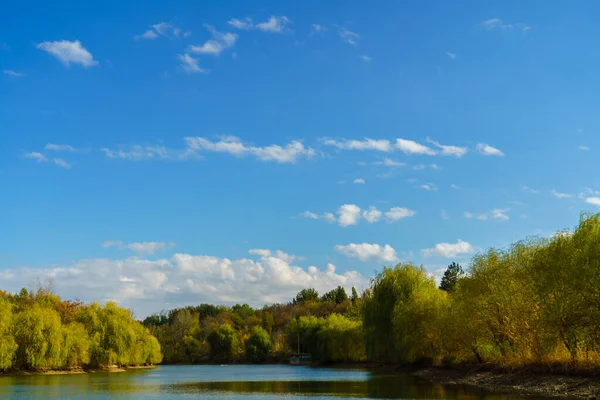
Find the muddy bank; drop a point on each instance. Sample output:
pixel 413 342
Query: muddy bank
pixel 521 382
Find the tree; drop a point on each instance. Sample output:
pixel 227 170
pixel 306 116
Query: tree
pixel 337 295
pixel 341 340
pixel 39 335
pixel 306 295
pixel 258 345
pixel 451 276
pixel 223 341
pixel 401 316
pixel 8 346
pixel 354 297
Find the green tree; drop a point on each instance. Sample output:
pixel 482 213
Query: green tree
pixel 39 335
pixel 401 316
pixel 306 295
pixel 354 297
pixel 451 276
pixel 341 340
pixel 223 341
pixel 337 295
pixel 258 345
pixel 8 346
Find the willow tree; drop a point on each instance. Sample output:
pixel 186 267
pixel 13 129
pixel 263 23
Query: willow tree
pixel 341 339
pixel 402 316
pixel 39 335
pixel 8 346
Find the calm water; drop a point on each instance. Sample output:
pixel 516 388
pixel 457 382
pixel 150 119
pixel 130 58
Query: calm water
pixel 234 382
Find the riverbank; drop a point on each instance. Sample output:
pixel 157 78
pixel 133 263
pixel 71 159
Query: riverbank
pixel 77 371
pixel 523 381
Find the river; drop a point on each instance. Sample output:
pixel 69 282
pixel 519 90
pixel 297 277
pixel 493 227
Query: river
pixel 241 382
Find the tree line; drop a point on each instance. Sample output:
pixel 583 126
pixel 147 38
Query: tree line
pixel 40 331
pixel 536 302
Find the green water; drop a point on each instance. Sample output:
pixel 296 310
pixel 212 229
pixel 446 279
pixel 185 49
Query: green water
pixel 234 382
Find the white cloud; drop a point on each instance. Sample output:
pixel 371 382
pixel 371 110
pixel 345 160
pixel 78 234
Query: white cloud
pixel 41 158
pixel 329 217
pixel 398 213
pixel 139 247
pixel 412 147
pixel 368 252
pixel 316 28
pixel 34 155
pixel 488 150
pixel 349 214
pixel 61 163
pixel 448 150
pixel 139 153
pixel 219 42
pixel 593 200
pixel 15 74
pixel 559 195
pixel 347 35
pixel 69 52
pixel 234 146
pixel 161 29
pixel 311 215
pixel 444 215
pixel 245 23
pixel 530 190
pixel 404 145
pixel 148 286
pixel 281 255
pixel 366 144
pixel 584 148
pixel 388 162
pixel 359 181
pixel 190 64
pixel 365 58
pixel 453 186
pixel 60 147
pixel 497 23
pixel 148 35
pixel 429 187
pixel 449 250
pixel 276 24
pixel 372 215
pixel 451 56
pixel 499 214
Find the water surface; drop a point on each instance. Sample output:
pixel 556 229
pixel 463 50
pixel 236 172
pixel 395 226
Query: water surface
pixel 242 382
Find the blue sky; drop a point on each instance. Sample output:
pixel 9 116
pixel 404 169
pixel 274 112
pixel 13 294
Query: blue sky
pixel 183 152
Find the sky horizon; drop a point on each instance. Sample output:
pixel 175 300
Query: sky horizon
pixel 182 153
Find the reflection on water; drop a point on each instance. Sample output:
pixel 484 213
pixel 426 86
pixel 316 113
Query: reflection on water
pixel 376 387
pixel 234 382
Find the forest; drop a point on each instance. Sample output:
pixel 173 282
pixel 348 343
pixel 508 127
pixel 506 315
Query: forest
pixel 39 332
pixel 536 302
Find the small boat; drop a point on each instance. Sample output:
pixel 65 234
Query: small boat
pixel 300 359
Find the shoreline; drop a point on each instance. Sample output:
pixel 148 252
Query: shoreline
pixel 77 371
pixel 520 381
